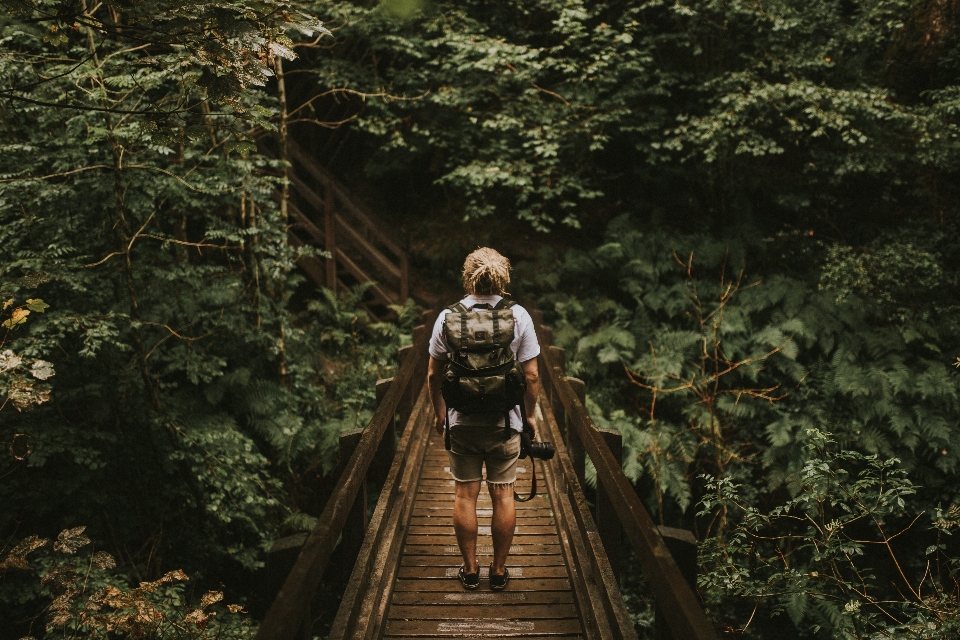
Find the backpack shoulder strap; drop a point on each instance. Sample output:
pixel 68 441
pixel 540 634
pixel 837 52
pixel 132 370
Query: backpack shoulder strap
pixel 505 303
pixel 458 308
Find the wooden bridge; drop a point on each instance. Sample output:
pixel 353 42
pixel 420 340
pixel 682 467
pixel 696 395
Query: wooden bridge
pixel 564 560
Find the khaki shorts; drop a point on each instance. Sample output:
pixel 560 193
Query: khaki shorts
pixel 471 447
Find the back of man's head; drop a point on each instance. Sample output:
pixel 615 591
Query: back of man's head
pixel 486 272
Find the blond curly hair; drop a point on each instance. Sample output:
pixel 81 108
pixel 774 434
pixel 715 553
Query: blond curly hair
pixel 486 272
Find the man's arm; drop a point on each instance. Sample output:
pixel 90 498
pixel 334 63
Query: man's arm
pixel 531 372
pixel 434 378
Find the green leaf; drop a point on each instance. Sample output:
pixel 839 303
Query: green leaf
pixel 38 305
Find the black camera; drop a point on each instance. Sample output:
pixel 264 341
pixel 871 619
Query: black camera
pixel 538 450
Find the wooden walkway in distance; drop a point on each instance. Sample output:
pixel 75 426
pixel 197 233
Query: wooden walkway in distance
pixel 428 599
pixel 403 583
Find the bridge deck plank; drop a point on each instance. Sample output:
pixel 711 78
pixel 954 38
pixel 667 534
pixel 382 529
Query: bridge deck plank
pixel 428 600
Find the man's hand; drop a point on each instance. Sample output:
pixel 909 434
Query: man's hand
pixel 434 376
pixel 532 425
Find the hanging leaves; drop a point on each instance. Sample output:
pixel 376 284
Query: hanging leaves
pixel 41 369
pixel 17 558
pixel 70 540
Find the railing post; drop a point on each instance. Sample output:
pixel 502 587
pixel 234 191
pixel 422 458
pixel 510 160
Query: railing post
pixel 356 524
pixel 608 523
pixel 405 406
pixel 574 444
pixel 330 238
pixel 388 443
pixel 280 559
pixel 683 547
pixel 547 336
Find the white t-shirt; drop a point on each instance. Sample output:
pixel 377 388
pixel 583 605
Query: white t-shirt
pixel 525 347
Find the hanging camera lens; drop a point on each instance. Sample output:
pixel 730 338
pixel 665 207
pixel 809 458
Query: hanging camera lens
pixel 538 450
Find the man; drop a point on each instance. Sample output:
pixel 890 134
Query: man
pixel 478 439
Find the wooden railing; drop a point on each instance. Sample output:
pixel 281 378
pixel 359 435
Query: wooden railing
pixel 345 511
pixel 339 223
pixel 576 436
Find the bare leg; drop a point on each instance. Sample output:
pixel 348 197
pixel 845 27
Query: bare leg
pixel 503 524
pixel 465 523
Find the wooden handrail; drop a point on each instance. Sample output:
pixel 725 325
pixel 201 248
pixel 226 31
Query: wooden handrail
pixel 344 196
pixel 679 603
pixel 387 262
pixel 285 615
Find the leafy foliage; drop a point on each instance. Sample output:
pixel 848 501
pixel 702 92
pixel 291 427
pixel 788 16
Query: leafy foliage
pixel 719 379
pixel 196 396
pixel 90 602
pixel 815 558
pixel 834 116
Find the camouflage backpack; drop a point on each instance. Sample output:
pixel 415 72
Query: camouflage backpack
pixel 482 374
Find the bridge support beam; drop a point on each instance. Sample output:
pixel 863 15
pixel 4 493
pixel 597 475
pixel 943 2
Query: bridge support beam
pixel 356 524
pixel 574 443
pixel 388 443
pixel 608 523
pixel 683 547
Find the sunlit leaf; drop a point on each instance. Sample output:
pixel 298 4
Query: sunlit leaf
pixel 18 317
pixel 38 305
pixel 70 540
pixel 9 360
pixel 25 395
pixel 210 597
pixel 17 558
pixel 104 560
pixel 41 369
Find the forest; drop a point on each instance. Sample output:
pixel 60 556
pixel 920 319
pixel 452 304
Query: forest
pixel 740 219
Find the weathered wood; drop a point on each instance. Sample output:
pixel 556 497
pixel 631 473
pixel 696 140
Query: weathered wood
pixel 363 606
pixel 382 541
pixel 679 602
pixel 436 558
pixel 404 278
pixel 285 614
pixel 356 522
pixel 608 524
pixel 485 598
pixel 505 627
pixel 381 263
pixel 380 466
pixel 517 574
pixel 601 604
pixel 523 611
pixel 280 559
pixel 546 336
pixel 381 294
pixel 331 185
pixel 683 547
pixel 305 223
pixel 443 586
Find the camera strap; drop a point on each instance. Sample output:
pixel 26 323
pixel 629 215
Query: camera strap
pixel 533 485
pixel 533 465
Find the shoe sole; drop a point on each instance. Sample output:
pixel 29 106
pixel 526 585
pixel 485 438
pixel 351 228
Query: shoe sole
pixel 495 587
pixel 463 581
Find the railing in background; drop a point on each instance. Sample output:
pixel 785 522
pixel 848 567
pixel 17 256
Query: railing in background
pixel 576 436
pixel 345 511
pixel 340 224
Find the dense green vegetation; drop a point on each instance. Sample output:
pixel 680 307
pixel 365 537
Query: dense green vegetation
pixel 739 217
